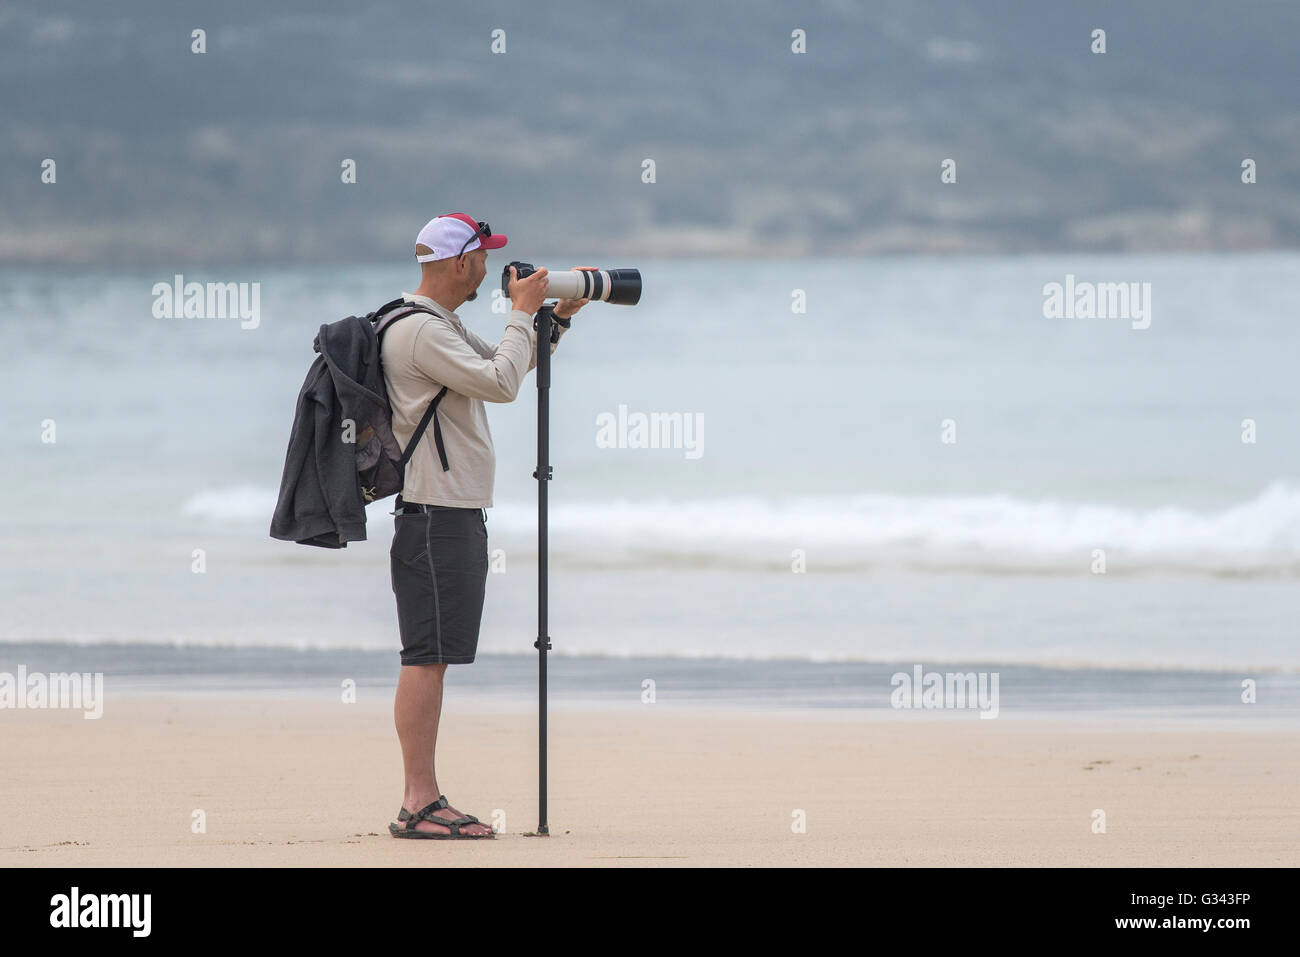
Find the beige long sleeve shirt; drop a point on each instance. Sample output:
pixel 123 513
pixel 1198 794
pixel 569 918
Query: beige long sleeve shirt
pixel 422 353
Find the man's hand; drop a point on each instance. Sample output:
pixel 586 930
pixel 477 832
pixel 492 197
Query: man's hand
pixel 527 295
pixel 565 308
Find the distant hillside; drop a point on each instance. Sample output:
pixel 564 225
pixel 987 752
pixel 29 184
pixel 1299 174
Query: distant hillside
pixel 166 156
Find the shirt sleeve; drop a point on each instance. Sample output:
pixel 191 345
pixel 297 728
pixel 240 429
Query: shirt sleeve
pixel 487 350
pixel 472 367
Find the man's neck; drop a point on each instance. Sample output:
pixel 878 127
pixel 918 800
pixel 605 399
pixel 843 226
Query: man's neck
pixel 442 297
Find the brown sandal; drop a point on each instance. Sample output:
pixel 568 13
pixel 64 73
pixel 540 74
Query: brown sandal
pixel 427 814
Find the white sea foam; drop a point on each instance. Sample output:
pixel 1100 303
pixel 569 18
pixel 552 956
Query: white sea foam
pixel 963 531
pixel 237 504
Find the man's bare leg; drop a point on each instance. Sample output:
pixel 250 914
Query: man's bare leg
pixel 416 711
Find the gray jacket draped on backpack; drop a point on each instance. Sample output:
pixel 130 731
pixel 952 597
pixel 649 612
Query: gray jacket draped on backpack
pixel 320 499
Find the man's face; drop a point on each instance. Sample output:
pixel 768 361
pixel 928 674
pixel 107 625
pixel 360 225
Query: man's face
pixel 476 262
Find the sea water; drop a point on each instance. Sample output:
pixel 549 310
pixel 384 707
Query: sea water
pixel 897 460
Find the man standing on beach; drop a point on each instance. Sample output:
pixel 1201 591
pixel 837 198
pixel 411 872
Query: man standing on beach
pixel 439 557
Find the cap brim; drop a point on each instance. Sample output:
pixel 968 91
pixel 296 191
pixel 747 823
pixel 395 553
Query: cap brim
pixel 495 241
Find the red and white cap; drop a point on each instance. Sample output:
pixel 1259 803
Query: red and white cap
pixel 446 234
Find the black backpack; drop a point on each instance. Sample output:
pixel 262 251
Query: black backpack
pixel 381 463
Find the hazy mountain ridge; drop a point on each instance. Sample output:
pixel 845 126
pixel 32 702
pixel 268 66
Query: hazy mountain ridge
pixel 234 155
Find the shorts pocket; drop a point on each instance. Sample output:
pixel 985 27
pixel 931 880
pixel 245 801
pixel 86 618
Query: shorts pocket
pixel 410 540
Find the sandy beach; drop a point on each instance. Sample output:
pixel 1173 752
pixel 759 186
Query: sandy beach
pixel 304 783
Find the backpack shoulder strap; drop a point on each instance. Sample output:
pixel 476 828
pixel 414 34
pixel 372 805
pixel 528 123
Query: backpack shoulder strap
pixel 390 312
pixel 383 317
pixel 430 413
